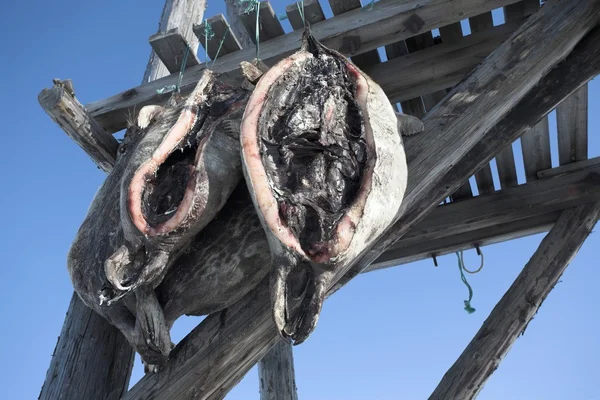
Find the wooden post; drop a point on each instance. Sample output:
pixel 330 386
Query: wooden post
pixel 509 319
pixel 92 360
pixel 276 373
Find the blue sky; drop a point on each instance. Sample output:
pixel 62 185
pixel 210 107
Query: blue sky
pixel 388 335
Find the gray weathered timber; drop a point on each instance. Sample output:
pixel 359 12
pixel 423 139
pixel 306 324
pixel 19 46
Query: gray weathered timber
pixel 572 121
pixel 234 9
pixel 269 26
pixel 368 58
pixel 568 168
pixel 510 317
pixel 535 144
pixel 226 345
pixel 182 14
pixel 90 368
pixel 276 373
pixel 371 29
pixel 414 106
pixel 313 13
pixel 223 32
pixel 64 109
pixel 92 360
pixel 171 47
pixel 487 219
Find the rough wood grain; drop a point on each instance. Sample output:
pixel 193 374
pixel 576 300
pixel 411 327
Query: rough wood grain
pixel 572 121
pixel 225 346
pixel 535 145
pixel 313 13
pixel 414 107
pixel 371 29
pixel 269 26
pixel 79 125
pixel 180 14
pixel 234 9
pixel 171 47
pixel 222 30
pixel 568 168
pixel 510 317
pixel 92 360
pixel 276 373
pixel 367 58
pixel 487 219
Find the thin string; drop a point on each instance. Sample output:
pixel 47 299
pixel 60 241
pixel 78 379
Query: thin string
pixel 251 5
pixel 461 266
pixel 177 87
pixel 301 11
pixel 370 6
pixel 219 48
pixel 480 265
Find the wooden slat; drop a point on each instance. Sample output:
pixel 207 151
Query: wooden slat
pixel 60 104
pixel 414 106
pixel 505 215
pixel 505 160
pixel 375 28
pixel 221 29
pixel 519 305
pixel 417 43
pixel 171 47
pixel 569 168
pixel 313 13
pixel 572 121
pixel 535 145
pixel 276 375
pixel 226 345
pixel 233 9
pixel 361 60
pixel 269 25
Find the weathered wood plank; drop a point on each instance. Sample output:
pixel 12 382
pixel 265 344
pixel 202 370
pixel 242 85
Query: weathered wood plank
pixel 227 344
pixel 374 28
pixel 92 360
pixel 276 373
pixel 414 107
pixel 535 146
pixel 313 13
pixel 60 104
pixel 511 316
pixel 483 219
pixel 233 9
pixel 171 47
pixel 221 29
pixel 421 42
pixel 568 168
pixel 368 58
pixel 180 14
pixel 505 160
pixel 572 121
pixel 269 26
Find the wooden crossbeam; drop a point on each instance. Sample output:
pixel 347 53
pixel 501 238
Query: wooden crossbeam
pixel 312 11
pixel 60 104
pixel 222 33
pixel 510 317
pixel 171 47
pixel 226 345
pixel 371 29
pixel 572 121
pixel 505 215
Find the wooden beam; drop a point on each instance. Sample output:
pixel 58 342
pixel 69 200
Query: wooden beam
pixel 361 60
pixel 234 8
pixel 182 14
pixel 269 25
pixel 535 145
pixel 276 373
pixel 371 29
pixel 223 32
pixel 498 216
pixel 414 107
pixel 171 47
pixel 510 317
pixel 568 168
pixel 60 104
pixel 313 13
pixel 92 359
pixel 572 121
pixel 226 345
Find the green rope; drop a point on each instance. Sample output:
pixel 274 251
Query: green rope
pixel 301 11
pixel 461 266
pixel 219 48
pixel 249 6
pixel 208 34
pixel 177 87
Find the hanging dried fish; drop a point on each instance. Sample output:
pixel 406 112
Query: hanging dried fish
pixel 325 164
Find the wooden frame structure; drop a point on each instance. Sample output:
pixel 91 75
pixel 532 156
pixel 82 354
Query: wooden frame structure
pixel 476 94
